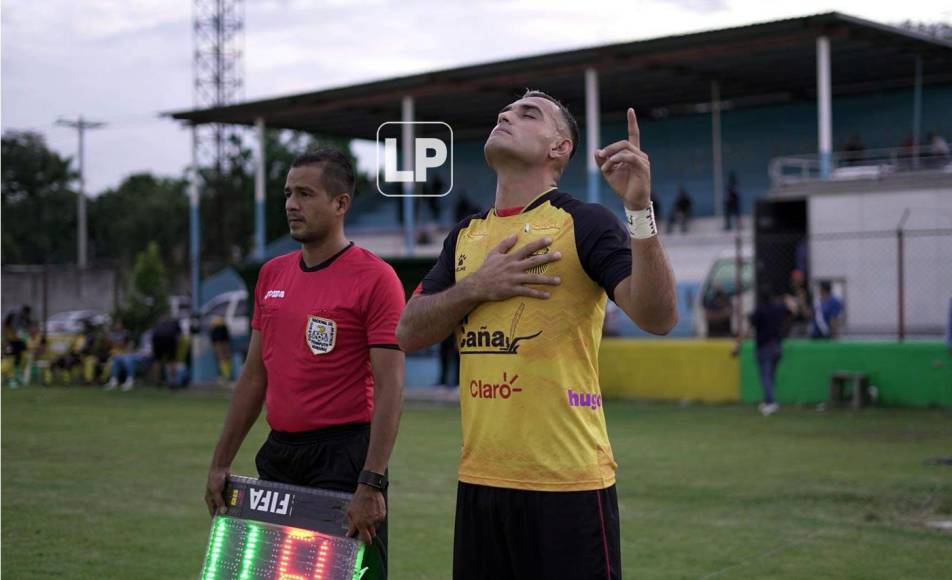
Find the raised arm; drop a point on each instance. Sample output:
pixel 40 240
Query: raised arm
pixel 648 296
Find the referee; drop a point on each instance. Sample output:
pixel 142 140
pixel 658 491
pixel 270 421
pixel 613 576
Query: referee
pixel 324 359
pixel 524 286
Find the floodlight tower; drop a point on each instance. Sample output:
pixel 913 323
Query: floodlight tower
pixel 217 70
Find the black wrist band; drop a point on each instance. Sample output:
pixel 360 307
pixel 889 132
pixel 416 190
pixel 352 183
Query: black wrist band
pixel 372 479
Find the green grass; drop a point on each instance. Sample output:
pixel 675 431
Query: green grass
pixel 109 485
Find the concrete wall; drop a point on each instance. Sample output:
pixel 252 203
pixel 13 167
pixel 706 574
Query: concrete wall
pixel 697 370
pixel 68 288
pixel 867 264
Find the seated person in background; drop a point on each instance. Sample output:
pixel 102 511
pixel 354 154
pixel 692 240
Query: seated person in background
pixel 13 348
pixel 94 352
pixel 125 360
pixel 827 312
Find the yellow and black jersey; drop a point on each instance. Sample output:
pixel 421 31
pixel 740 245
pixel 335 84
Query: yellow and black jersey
pixel 531 404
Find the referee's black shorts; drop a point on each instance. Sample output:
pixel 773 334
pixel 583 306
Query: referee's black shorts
pixel 328 458
pixel 509 534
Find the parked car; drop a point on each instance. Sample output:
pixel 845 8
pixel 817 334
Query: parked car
pixel 71 321
pixel 723 275
pixel 233 307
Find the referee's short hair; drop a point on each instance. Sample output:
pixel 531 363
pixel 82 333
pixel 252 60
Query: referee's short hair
pixel 338 172
pixel 567 117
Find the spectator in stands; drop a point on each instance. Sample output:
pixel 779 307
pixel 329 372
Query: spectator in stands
pixel 464 207
pixel 681 213
pixel 718 311
pixel 433 188
pixel 827 312
pixel 221 344
pixel 938 150
pixel 165 340
pixel 853 150
pixel 732 204
pixel 768 323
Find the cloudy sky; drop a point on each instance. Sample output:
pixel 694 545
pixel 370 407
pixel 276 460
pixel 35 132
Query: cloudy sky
pixel 124 62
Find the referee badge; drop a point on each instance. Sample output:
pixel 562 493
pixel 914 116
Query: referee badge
pixel 321 334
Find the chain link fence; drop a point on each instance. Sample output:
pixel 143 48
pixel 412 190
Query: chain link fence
pixel 892 284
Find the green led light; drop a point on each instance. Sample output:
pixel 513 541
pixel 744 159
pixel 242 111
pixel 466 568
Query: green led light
pixel 248 556
pixel 214 554
pixel 358 560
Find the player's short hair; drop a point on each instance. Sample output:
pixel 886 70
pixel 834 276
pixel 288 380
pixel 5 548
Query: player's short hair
pixel 826 286
pixel 338 172
pixel 567 116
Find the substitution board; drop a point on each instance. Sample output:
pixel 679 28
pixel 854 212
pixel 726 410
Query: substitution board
pixel 276 531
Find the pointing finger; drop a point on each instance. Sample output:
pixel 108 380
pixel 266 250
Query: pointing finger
pixel 634 133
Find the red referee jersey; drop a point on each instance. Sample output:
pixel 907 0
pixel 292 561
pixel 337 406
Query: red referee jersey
pixel 317 327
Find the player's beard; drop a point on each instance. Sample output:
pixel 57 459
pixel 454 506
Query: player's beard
pixel 307 236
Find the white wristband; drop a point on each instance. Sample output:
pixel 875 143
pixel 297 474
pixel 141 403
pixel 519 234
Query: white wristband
pixel 641 223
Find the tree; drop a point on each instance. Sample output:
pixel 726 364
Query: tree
pixel 149 296
pixel 143 208
pixel 38 207
pixel 228 199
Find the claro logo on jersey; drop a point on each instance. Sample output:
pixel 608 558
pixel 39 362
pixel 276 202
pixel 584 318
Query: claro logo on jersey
pixel 494 389
pixel 272 502
pixel 486 341
pixel 274 294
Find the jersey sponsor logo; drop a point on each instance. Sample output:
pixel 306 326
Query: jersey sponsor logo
pixel 321 334
pixel 274 294
pixel 541 268
pixel 503 389
pixel 461 263
pixel 486 341
pixel 269 501
pixel 589 400
pixel 543 227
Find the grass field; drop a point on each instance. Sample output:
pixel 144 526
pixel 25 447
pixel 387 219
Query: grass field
pixel 109 485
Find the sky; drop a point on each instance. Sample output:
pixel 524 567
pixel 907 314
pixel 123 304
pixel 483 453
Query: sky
pixel 124 62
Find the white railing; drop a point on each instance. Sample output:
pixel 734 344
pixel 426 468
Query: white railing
pixel 851 165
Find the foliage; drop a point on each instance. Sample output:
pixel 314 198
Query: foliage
pixel 38 207
pixel 148 298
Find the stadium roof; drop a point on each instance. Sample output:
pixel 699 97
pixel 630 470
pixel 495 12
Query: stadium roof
pixel 755 64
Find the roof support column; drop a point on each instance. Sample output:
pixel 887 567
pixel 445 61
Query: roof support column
pixel 259 189
pixel 824 103
pixel 408 186
pixel 194 243
pixel 717 162
pixel 592 133
pixel 917 112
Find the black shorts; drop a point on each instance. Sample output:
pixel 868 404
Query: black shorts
pixel 330 458
pixel 163 348
pixel 504 534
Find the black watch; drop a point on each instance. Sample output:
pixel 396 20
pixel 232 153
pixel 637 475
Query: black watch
pixel 374 480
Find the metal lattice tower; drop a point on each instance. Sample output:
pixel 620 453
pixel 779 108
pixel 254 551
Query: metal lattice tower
pixel 217 70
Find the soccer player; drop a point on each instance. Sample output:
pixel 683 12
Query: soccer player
pixel 524 286
pixel 324 358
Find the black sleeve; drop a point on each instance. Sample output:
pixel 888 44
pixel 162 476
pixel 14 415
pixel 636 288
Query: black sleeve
pixel 603 245
pixel 443 274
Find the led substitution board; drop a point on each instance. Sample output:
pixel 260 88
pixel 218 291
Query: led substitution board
pixel 276 531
